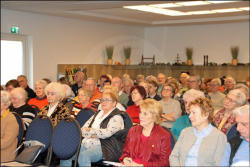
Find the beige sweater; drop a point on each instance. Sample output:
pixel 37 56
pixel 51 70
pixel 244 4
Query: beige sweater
pixel 9 133
pixel 210 152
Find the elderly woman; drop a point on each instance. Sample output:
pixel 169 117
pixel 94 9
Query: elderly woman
pixel 9 130
pixel 138 93
pixel 98 132
pixel 55 109
pixel 11 84
pixel 40 100
pixel 184 121
pixel 147 144
pixel 224 118
pixel 171 107
pixel 18 98
pixel 84 95
pixel 202 144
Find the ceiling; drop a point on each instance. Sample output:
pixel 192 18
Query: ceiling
pixel 113 12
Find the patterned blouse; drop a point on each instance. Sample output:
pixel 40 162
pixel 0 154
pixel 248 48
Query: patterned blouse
pixel 92 137
pixel 218 121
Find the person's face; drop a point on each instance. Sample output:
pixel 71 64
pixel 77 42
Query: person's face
pixel 136 96
pixel 83 98
pixel 229 84
pixel 145 85
pixel 126 87
pixel 102 80
pixel 52 97
pixel 3 107
pixel 183 78
pixel 16 100
pixel 90 84
pixel 230 102
pixel 9 88
pixel 187 102
pixel 151 88
pixel 193 83
pixel 214 87
pixel 243 125
pixel 22 82
pixel 107 103
pixel 196 118
pixel 39 90
pixel 117 83
pixel 146 118
pixel 79 76
pixel 166 92
pixel 161 79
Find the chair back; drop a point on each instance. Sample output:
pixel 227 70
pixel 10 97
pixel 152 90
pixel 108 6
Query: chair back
pixel 127 120
pixel 21 128
pixel 67 138
pixel 172 139
pixel 232 132
pixel 83 116
pixel 37 110
pixel 40 129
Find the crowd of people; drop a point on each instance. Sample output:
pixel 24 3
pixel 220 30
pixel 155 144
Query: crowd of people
pixel 196 112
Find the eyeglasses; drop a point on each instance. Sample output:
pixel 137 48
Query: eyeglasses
pixel 51 93
pixel 106 100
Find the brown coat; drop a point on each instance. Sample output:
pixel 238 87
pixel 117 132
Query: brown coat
pixel 9 133
pixel 59 114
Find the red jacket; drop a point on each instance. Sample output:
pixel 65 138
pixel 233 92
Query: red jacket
pixel 158 146
pixel 133 111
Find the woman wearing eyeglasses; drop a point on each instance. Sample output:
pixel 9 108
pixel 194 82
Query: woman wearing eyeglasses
pixel 224 118
pixel 202 144
pixel 55 109
pixel 99 141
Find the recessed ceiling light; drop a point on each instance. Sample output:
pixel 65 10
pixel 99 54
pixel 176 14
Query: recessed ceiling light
pixel 165 5
pixel 227 10
pixel 201 12
pixel 193 3
pixel 218 1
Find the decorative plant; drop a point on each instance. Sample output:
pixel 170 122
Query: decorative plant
pixel 127 52
pixel 109 51
pixel 235 51
pixel 189 53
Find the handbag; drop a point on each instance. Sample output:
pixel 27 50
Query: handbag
pixel 30 153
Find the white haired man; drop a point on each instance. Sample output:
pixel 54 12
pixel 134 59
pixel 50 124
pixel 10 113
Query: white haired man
pixel 237 150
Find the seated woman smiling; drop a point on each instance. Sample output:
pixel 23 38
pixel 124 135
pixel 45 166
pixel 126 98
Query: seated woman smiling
pixel 147 144
pixel 202 144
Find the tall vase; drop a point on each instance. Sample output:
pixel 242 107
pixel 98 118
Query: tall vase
pixel 127 61
pixel 235 62
pixel 189 62
pixel 110 61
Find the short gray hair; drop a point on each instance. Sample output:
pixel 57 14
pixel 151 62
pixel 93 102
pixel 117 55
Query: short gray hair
pixel 193 94
pixel 57 87
pixel 41 82
pixel 240 96
pixel 22 94
pixel 68 91
pixel 5 98
pixel 244 88
pixel 241 110
pixel 217 80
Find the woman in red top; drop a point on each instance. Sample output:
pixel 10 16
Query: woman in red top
pixel 147 144
pixel 40 100
pixel 138 93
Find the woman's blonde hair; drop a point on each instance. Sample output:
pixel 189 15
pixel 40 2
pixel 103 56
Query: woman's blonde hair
pixel 86 92
pixel 57 87
pixel 206 107
pixel 110 88
pixel 111 95
pixel 154 107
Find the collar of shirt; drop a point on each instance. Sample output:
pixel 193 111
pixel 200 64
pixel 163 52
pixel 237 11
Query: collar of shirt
pixel 120 93
pixel 52 109
pixel 204 132
pixel 99 118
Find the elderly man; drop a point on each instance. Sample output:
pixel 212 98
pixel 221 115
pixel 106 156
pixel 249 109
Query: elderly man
pixel 237 150
pixel 122 97
pixel 161 79
pixel 229 84
pixel 79 80
pixel 217 97
pixel 23 82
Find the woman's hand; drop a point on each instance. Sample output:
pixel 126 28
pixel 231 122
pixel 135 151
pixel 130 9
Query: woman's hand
pixel 129 162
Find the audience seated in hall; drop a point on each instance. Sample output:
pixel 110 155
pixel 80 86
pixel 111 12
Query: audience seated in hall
pixel 11 84
pixel 202 144
pixel 9 130
pixel 224 118
pixel 122 97
pixel 40 100
pixel 18 98
pixel 216 96
pixel 184 120
pixel 147 143
pixel 79 78
pixel 23 82
pixel 138 93
pixel 171 107
pixel 98 132
pixel 237 149
pixel 55 110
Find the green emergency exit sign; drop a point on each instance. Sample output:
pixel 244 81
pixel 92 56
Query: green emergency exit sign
pixel 15 30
